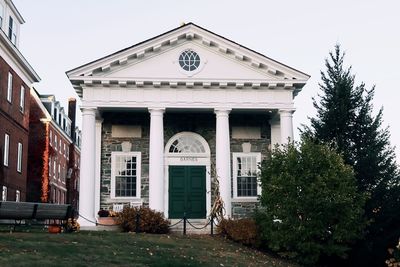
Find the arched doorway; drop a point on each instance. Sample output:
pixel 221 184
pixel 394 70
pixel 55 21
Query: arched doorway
pixel 187 176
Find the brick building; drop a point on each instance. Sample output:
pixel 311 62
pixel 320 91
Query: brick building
pixel 16 78
pixel 54 151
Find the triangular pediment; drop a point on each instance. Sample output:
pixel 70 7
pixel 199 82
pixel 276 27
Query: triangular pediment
pixel 155 62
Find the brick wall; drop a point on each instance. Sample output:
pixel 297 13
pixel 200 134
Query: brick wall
pixel 15 123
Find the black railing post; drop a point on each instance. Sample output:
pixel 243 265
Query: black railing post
pixel 137 228
pixel 212 225
pixel 184 223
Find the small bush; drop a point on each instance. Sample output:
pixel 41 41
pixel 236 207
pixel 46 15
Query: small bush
pixel 243 231
pixel 150 220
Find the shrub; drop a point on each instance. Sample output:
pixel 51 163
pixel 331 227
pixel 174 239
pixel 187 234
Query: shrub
pixel 243 231
pixel 150 221
pixel 72 225
pixel 310 206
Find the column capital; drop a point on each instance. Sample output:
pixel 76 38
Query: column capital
pixel 154 111
pixel 88 110
pixel 222 111
pixel 286 111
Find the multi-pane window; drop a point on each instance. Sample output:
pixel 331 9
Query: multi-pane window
pixel 1 15
pixel 19 158
pixel 4 194
pixel 60 146
pixel 6 149
pixel 245 170
pixel 55 142
pixel 9 87
pixel 126 174
pixel 17 196
pixel 22 99
pixel 12 30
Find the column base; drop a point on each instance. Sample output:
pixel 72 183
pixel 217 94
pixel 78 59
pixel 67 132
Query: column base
pixel 84 224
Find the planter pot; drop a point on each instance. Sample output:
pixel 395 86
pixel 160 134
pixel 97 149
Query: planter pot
pixel 107 220
pixel 54 229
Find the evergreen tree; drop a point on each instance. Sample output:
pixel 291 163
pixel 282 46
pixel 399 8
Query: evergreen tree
pixel 345 120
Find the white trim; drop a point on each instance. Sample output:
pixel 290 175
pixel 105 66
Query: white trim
pixel 17 196
pixel 9 87
pixel 4 194
pixel 138 156
pixel 6 149
pixel 237 198
pixel 22 99
pixel 19 158
pixel 197 159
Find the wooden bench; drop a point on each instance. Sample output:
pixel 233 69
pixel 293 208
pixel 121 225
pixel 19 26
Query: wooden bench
pixel 30 212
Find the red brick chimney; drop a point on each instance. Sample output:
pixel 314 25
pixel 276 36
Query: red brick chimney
pixel 72 115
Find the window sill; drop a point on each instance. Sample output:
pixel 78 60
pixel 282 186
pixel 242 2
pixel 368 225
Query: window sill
pixel 125 199
pixel 244 199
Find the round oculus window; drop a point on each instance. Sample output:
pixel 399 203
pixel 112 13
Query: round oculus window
pixel 189 60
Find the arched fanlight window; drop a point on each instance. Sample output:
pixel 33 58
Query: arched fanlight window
pixel 187 143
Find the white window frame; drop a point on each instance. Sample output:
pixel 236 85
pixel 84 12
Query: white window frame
pixel 6 149
pixel 60 146
pixel 235 156
pixel 22 99
pixel 55 142
pixel 49 166
pixel 9 87
pixel 4 194
pixel 59 172
pixel 138 156
pixel 1 15
pixel 54 169
pixel 17 196
pixel 51 138
pixel 19 157
pixel 14 26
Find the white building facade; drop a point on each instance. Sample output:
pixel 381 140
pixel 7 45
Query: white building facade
pixel 160 116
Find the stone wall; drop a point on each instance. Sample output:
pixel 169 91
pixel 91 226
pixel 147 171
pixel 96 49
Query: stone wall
pixel 110 144
pixel 176 122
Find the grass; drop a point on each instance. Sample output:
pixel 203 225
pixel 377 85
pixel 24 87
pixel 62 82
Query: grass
pixel 125 249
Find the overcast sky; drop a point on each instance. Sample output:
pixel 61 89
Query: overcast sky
pixel 60 35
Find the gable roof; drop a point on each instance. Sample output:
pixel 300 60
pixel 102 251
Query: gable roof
pixel 85 74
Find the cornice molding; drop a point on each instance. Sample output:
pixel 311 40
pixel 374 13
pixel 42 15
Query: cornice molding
pixel 88 74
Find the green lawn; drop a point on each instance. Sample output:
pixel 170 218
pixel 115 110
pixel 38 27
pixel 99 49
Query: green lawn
pixel 125 249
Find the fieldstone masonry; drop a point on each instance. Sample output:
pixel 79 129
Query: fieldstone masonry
pixel 202 124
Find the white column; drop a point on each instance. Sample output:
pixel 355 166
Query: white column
pixel 275 131
pixel 99 124
pixel 88 164
pixel 156 159
pixel 223 157
pixel 286 125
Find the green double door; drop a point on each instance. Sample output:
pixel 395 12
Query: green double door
pixel 187 192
